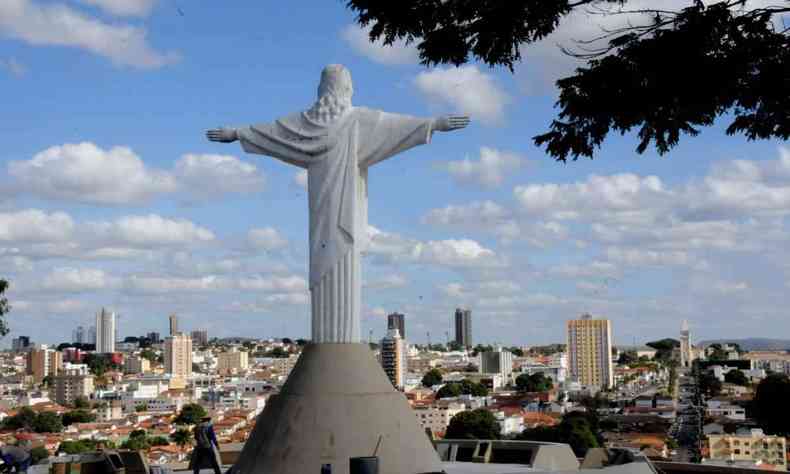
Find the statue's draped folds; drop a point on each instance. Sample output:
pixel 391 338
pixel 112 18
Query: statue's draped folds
pixel 337 156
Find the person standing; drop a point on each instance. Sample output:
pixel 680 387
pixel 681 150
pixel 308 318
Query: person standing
pixel 16 458
pixel 206 452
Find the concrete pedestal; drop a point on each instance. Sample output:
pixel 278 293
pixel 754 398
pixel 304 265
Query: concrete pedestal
pixel 337 404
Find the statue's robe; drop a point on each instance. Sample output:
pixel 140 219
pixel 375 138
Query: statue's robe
pixel 337 156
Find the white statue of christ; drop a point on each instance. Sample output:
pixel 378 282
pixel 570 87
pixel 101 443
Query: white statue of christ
pixel 336 143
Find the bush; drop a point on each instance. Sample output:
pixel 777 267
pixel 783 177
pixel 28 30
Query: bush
pixel 474 424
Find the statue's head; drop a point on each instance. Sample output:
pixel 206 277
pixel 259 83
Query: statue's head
pixel 336 81
pixel 334 94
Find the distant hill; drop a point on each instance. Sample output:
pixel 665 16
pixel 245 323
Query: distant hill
pixel 753 343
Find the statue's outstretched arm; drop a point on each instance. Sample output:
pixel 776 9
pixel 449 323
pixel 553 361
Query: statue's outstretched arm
pixel 223 135
pixel 448 123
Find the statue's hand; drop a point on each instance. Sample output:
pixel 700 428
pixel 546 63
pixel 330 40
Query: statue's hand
pixel 448 123
pixel 223 134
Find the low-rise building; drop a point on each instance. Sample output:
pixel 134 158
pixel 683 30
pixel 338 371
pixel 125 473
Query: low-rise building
pixel 437 416
pixel 754 449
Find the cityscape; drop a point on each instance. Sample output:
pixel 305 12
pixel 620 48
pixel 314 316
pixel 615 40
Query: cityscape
pixel 394 237
pixel 671 399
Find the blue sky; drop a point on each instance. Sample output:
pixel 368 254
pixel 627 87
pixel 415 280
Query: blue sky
pixel 111 196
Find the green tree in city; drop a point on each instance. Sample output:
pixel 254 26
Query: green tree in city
pixel 770 404
pixel 473 388
pixel 4 308
pixel 148 354
pixel 516 351
pixel 709 385
pixel 181 437
pixel 449 390
pixel 78 416
pixel 38 454
pixel 23 419
pixel 664 348
pixel 77 447
pixel 627 358
pixel 736 377
pixel 537 382
pixel 577 429
pixel 137 441
pixel 190 414
pixel 81 403
pixel 159 441
pixel 278 353
pixel 432 378
pixel 47 422
pixel 473 424
pixel 141 407
pixel 464 387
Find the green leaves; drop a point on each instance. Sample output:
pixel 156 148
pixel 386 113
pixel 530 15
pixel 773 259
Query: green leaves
pixel 473 424
pixel 662 79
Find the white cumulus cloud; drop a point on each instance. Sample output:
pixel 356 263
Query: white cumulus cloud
pixel 266 238
pixel 83 172
pixel 397 53
pixel 206 176
pixel 34 225
pixel 69 279
pixel 148 230
pixel 465 90
pixel 55 24
pixel 489 170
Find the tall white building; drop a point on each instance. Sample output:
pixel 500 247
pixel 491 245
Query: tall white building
pixel 105 332
pixel 178 356
pixel 590 351
pixel 685 344
pixel 497 362
pixel 393 357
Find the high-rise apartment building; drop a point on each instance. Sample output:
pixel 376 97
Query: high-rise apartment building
pixel 685 344
pixel 200 337
pixel 463 327
pixel 393 358
pixel 43 362
pixel 92 335
pixel 79 336
pixel 20 343
pixel 71 385
pixel 178 356
pixel 590 351
pixel 232 362
pixel 497 362
pixel 397 321
pixel 154 337
pixel 173 324
pixel 105 332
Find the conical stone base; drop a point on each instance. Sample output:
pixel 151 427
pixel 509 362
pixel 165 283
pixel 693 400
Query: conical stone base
pixel 337 404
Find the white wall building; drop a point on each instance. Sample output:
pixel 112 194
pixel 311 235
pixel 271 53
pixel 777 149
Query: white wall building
pixel 105 332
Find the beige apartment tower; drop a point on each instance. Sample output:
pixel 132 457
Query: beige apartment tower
pixel 178 356
pixel 43 362
pixel 590 351
pixel 232 362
